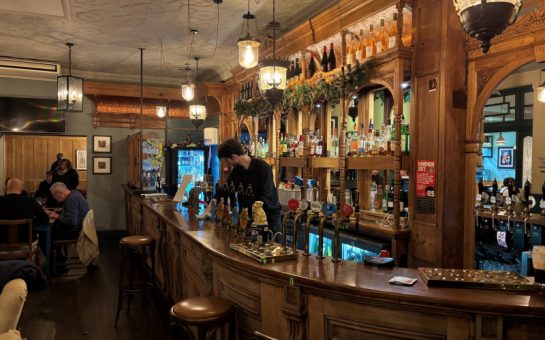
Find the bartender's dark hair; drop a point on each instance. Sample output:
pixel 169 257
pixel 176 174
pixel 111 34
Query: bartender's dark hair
pixel 230 147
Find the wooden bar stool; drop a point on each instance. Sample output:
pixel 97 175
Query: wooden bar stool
pixel 208 314
pixel 141 246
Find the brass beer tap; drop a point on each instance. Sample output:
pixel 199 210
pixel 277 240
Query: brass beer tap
pixel 300 214
pixel 321 237
pixel 345 213
pixel 311 214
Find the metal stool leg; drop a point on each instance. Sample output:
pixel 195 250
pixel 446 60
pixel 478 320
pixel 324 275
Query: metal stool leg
pixel 120 291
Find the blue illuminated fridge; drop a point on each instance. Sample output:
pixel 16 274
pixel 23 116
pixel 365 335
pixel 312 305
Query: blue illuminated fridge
pixel 183 161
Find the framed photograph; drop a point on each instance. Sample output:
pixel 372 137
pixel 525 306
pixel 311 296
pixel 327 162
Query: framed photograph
pixel 102 144
pixel 102 165
pixel 506 158
pixel 81 159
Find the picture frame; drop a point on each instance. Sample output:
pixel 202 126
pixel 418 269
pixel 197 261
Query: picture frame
pixel 506 157
pixel 102 165
pixel 102 144
pixel 81 159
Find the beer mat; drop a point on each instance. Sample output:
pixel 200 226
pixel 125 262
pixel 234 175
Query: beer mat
pixel 475 278
pixel 403 280
pixel 379 261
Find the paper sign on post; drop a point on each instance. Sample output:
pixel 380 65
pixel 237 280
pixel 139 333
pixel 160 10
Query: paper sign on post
pixel 183 186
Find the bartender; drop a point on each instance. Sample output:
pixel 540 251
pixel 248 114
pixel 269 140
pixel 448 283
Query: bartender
pixel 248 170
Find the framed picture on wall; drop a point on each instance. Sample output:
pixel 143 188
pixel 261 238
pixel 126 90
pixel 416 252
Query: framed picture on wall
pixel 102 165
pixel 506 158
pixel 81 159
pixel 102 144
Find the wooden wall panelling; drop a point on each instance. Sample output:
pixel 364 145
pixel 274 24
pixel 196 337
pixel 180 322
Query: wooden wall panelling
pixel 30 156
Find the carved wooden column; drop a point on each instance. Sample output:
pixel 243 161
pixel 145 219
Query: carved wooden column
pixel 295 312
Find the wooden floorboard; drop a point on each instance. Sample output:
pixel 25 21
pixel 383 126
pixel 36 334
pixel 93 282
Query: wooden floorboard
pixel 82 305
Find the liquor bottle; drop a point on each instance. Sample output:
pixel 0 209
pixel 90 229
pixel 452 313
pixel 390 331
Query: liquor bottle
pixel 370 48
pixel 392 32
pixel 371 127
pixel 354 144
pixel 324 60
pixel 360 52
pixel 251 89
pixel 331 60
pixel 381 38
pixel 232 195
pixel 375 149
pixel 407 29
pixel 385 199
pixel 372 195
pixel 319 147
pixel 297 74
pixel 404 136
pixel 291 71
pixel 362 141
pixel 350 54
pixel 249 200
pixel 311 65
pixel 241 197
pixel 312 148
pixel 301 146
pixel 348 143
pixel 334 144
pixel 391 199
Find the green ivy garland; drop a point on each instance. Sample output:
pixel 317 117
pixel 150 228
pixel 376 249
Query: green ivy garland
pixel 303 94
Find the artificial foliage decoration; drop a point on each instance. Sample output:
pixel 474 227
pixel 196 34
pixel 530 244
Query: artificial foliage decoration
pixel 296 97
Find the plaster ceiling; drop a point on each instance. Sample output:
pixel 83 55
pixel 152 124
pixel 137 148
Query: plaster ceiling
pixel 108 33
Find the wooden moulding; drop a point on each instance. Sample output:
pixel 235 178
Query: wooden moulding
pixel 294 162
pixel 370 163
pixel 323 162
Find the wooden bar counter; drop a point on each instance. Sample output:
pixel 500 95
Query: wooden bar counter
pixel 318 299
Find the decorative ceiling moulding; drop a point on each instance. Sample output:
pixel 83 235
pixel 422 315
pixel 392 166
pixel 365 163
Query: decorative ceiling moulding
pixel 29 69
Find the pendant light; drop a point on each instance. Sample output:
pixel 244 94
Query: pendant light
pixel 161 109
pixel 484 19
pixel 248 46
pixel 188 88
pixel 197 107
pixel 500 141
pixel 272 72
pixel 69 89
pixel 541 88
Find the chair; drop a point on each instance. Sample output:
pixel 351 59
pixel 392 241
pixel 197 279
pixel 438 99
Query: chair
pixel 12 300
pixel 208 314
pixel 14 248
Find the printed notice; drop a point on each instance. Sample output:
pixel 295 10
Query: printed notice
pixel 425 178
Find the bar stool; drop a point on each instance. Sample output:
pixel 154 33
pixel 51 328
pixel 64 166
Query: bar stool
pixel 207 314
pixel 141 246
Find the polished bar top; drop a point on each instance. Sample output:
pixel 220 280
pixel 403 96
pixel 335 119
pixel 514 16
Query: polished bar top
pixel 349 278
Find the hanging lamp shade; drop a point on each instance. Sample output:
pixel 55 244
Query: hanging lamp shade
pixel 188 87
pixel 248 46
pixel 161 111
pixel 197 106
pixel 69 89
pixel 484 19
pixel 541 88
pixel 500 140
pixel 272 72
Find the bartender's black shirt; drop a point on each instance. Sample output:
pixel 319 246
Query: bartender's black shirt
pixel 259 175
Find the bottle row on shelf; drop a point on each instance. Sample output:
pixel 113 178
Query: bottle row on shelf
pixel 359 143
pixel 360 47
pixel 246 91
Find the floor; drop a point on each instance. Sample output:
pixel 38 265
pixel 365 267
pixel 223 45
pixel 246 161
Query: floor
pixel 82 305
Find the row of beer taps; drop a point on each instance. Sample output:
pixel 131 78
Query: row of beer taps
pixel 314 211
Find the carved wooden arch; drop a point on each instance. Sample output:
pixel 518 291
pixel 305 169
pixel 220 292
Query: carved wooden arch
pixel 375 81
pixel 498 75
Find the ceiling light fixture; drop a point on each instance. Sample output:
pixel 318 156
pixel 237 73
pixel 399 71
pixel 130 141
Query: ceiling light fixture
pixel 541 88
pixel 248 46
pixel 161 109
pixel 188 88
pixel 197 107
pixel 272 72
pixel 69 89
pixel 500 140
pixel 484 19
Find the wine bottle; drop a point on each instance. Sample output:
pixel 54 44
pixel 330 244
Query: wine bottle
pixel 297 74
pixel 311 65
pixel 324 60
pixel 291 71
pixel 331 60
pixel 392 32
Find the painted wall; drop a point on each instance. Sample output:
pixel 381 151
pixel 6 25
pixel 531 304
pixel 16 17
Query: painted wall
pixel 490 164
pixel 104 192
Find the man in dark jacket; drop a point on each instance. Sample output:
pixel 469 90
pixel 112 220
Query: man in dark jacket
pixel 14 206
pixel 68 225
pixel 248 170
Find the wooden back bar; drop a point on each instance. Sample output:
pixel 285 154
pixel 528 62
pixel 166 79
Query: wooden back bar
pixel 318 299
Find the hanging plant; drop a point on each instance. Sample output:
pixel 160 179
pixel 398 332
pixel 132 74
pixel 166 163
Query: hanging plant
pixel 255 108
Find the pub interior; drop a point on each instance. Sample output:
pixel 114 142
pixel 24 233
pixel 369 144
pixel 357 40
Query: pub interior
pixel 361 169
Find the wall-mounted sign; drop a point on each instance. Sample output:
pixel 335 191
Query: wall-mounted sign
pixel 425 178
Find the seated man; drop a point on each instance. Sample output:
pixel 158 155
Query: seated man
pixel 15 206
pixel 44 191
pixel 68 225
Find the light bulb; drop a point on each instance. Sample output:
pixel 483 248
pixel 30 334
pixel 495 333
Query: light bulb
pixel 161 111
pixel 188 92
pixel 249 57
